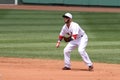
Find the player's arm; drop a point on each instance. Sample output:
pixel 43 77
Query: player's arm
pixel 74 37
pixel 59 40
pixel 75 32
pixel 68 39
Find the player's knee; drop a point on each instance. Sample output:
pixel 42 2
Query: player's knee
pixel 81 51
pixel 66 51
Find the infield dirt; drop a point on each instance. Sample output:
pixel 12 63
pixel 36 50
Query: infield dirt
pixel 38 69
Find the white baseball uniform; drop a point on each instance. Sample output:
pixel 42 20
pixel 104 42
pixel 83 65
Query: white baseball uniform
pixel 80 42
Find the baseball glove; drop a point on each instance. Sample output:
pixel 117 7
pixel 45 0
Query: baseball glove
pixel 67 39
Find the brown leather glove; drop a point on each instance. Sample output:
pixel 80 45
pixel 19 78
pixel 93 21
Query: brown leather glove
pixel 68 39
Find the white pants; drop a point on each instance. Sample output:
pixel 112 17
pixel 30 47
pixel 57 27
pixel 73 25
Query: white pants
pixel 81 43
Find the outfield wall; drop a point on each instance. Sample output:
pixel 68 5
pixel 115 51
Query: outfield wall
pixel 13 2
pixel 77 2
pixel 6 1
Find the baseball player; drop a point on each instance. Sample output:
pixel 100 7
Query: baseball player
pixel 78 38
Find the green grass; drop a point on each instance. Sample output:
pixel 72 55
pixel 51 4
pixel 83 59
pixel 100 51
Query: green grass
pixel 33 34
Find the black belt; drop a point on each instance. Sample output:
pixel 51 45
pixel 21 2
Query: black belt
pixel 80 36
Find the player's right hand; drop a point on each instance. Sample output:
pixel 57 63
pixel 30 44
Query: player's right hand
pixel 58 44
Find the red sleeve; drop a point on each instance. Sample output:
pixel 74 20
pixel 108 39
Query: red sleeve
pixel 60 37
pixel 74 36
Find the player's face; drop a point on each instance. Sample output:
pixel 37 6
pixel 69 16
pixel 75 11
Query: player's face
pixel 66 20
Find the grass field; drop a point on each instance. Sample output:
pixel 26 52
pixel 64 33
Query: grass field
pixel 33 34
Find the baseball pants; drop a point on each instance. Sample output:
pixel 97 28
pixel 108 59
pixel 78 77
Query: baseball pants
pixel 81 43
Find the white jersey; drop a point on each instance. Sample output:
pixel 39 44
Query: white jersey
pixel 80 42
pixel 72 30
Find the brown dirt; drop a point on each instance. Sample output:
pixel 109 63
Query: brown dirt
pixel 61 8
pixel 38 69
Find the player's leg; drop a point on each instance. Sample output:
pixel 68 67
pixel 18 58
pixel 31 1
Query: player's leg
pixel 81 49
pixel 67 50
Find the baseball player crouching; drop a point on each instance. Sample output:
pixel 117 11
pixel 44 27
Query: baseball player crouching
pixel 77 38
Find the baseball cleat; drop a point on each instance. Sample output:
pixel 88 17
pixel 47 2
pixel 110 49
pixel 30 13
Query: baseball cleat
pixel 90 68
pixel 66 68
